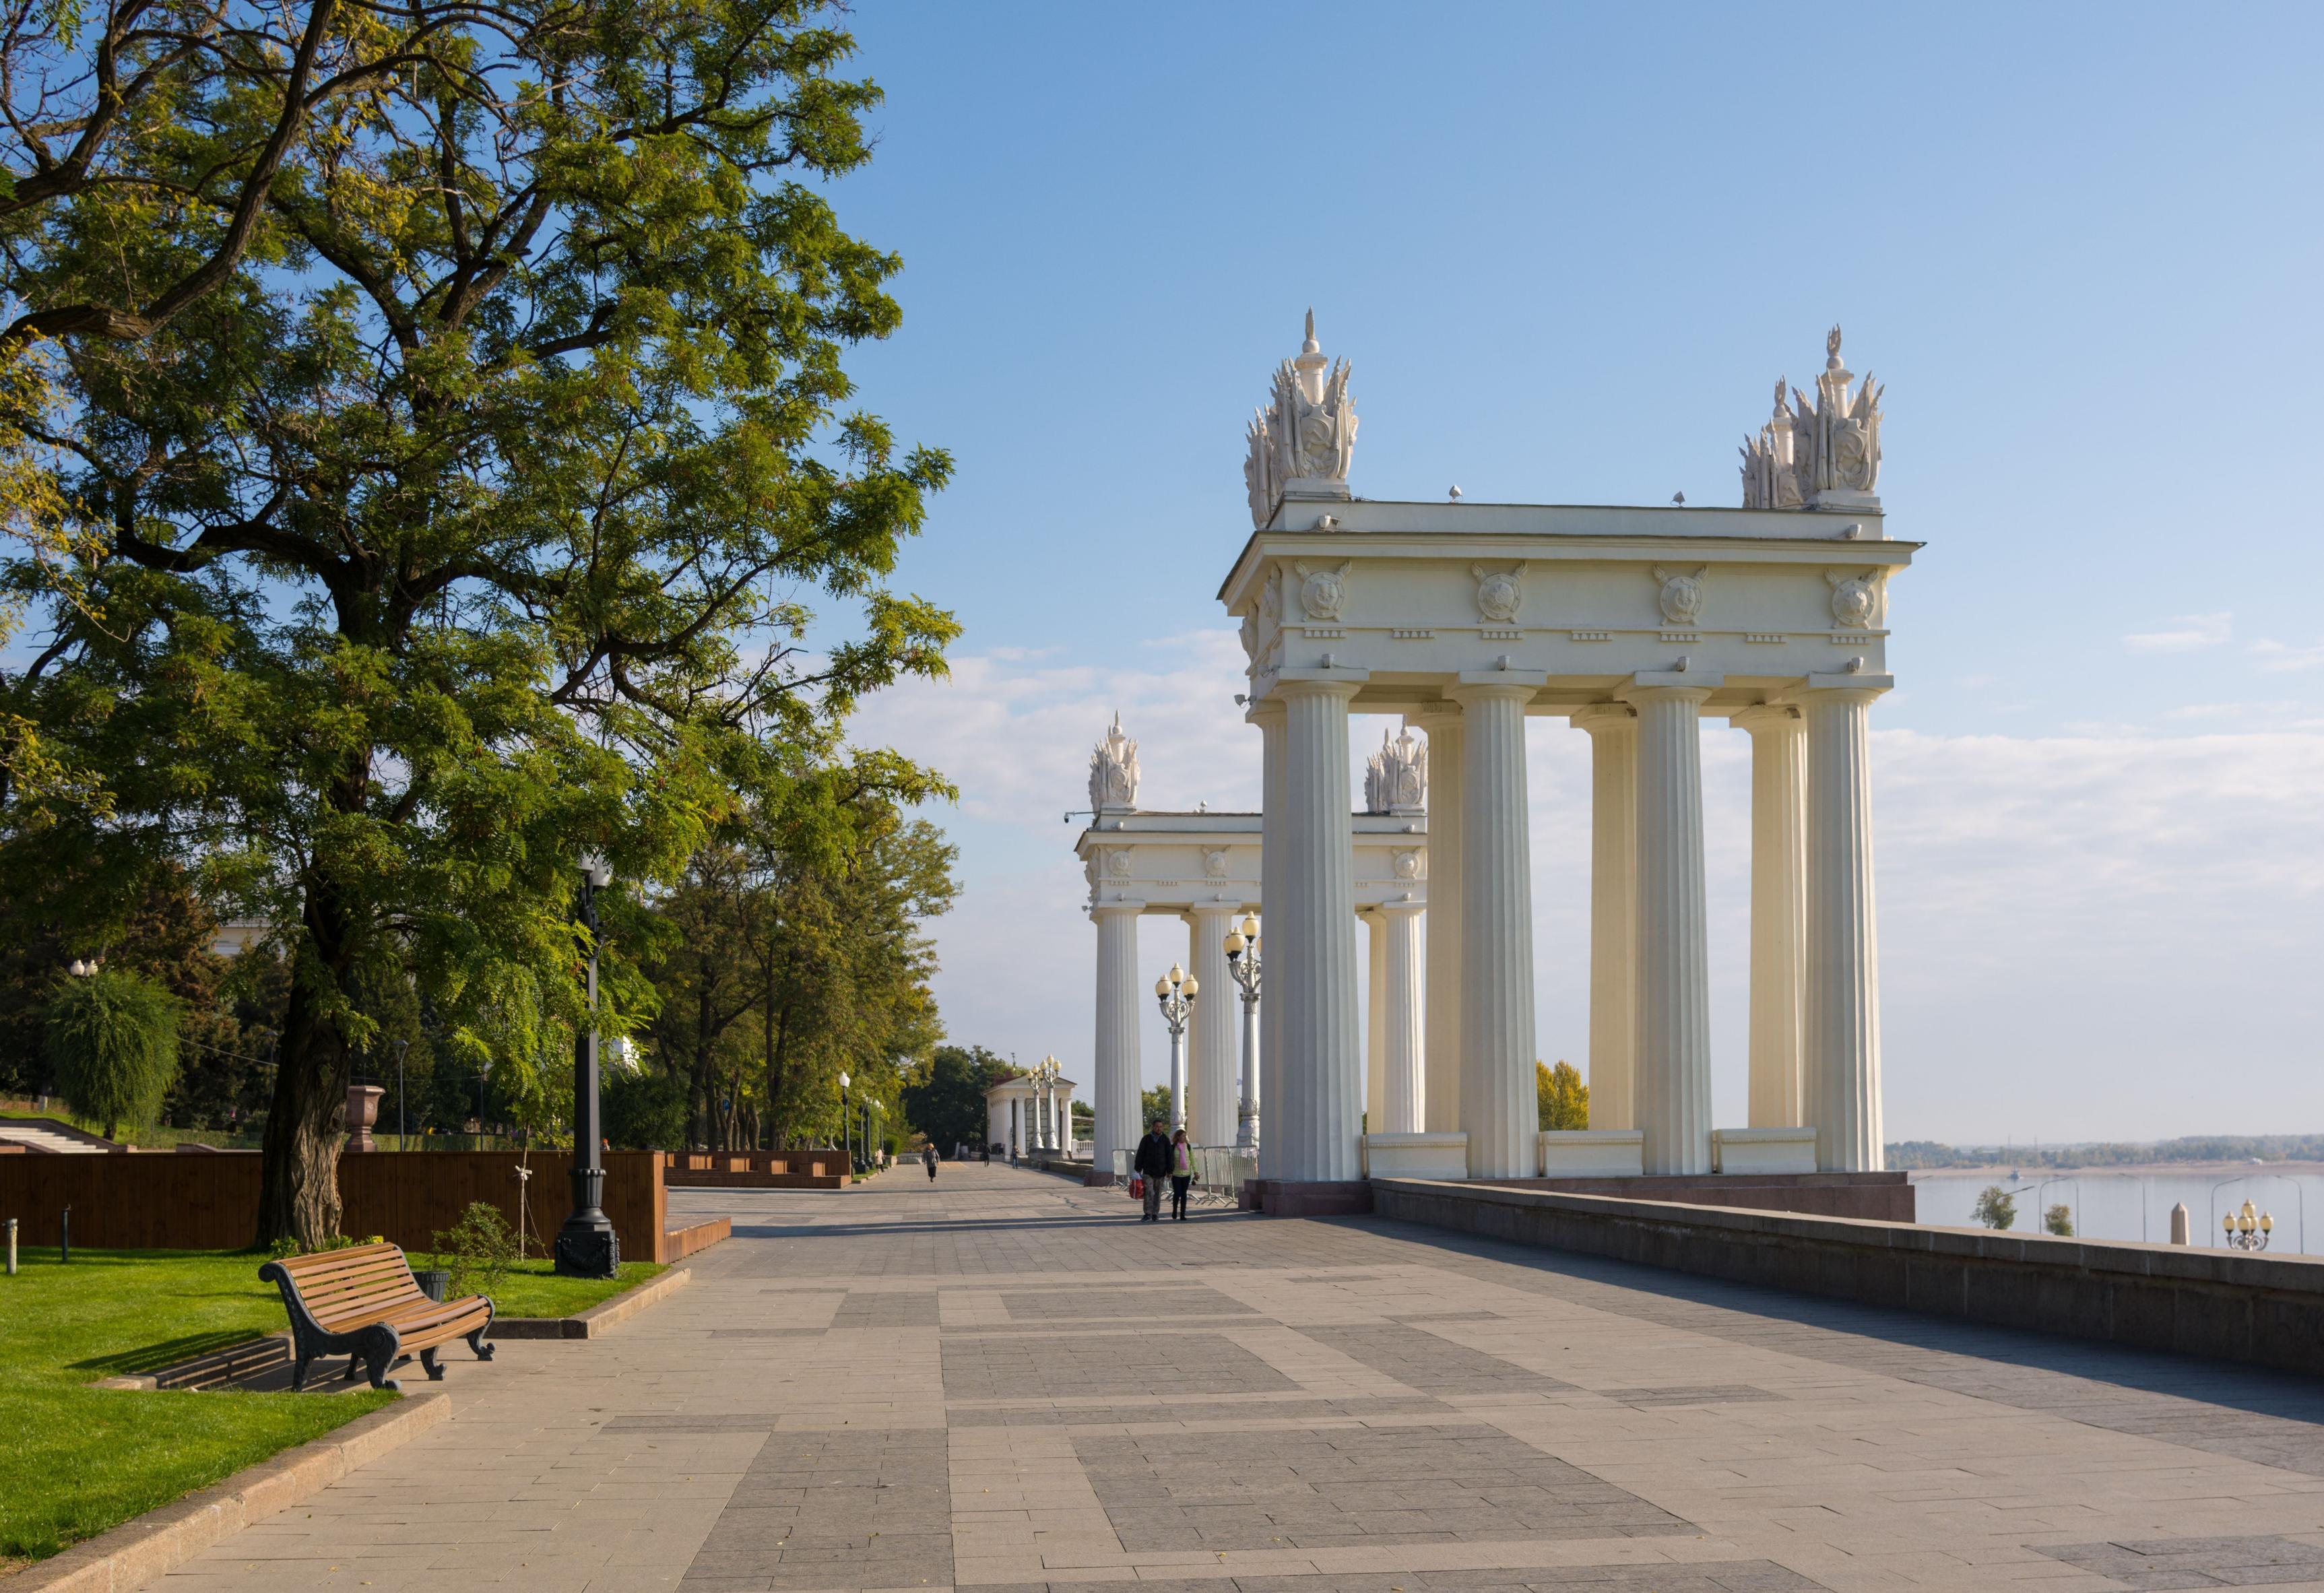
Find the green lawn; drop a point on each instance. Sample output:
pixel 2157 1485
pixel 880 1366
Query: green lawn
pixel 75 1459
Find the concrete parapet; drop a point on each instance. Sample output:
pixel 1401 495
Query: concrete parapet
pixel 2262 1310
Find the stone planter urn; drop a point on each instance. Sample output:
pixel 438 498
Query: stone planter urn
pixel 362 1111
pixel 434 1282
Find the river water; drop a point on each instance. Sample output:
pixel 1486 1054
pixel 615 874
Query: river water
pixel 2134 1202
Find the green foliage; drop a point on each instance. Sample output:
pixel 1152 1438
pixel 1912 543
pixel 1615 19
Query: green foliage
pixel 946 1104
pixel 1153 1107
pixel 1562 1099
pixel 645 1109
pixel 452 495
pixel 113 1042
pixel 477 1250
pixel 2058 1220
pixel 1996 1206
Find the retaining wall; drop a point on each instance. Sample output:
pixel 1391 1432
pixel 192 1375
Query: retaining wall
pixel 2265 1309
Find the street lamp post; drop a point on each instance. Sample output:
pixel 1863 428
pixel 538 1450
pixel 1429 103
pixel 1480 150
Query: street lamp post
pixel 1176 990
pixel 401 1047
pixel 846 1128
pixel 2248 1230
pixel 587 1246
pixel 1242 962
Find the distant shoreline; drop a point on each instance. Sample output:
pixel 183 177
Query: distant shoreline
pixel 2030 1171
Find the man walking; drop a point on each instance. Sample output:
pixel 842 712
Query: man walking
pixel 1152 1162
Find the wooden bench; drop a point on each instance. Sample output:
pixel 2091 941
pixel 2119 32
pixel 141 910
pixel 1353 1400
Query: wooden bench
pixel 364 1302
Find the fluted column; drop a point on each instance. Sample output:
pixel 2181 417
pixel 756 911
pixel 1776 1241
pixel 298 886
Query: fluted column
pixel 1210 1116
pixel 1674 956
pixel 1405 1034
pixel 1115 1088
pixel 1842 998
pixel 1270 716
pixel 1439 1107
pixel 1778 913
pixel 1498 1098
pixel 1375 1018
pixel 1316 1089
pixel 1613 730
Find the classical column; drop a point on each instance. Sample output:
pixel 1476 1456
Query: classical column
pixel 1375 1020
pixel 1498 1098
pixel 1211 1032
pixel 1116 1054
pixel 1613 903
pixel 1315 1090
pixel 1842 1006
pixel 1674 957
pixel 1778 913
pixel 1401 1113
pixel 1439 1109
pixel 1270 716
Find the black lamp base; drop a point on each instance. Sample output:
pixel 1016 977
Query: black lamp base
pixel 585 1251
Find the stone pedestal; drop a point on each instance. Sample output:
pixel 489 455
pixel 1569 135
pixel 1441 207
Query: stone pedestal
pixel 362 1113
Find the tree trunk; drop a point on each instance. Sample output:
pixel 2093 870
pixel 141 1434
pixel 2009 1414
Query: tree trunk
pixel 299 1174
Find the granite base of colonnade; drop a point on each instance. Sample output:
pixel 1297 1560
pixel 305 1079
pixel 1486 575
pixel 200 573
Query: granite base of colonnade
pixel 1881 1196
pixel 2263 1311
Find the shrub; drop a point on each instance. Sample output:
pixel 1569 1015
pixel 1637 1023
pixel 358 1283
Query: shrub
pixel 112 1039
pixel 477 1250
pixel 2059 1220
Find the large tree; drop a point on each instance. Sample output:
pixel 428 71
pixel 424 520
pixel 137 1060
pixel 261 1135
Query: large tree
pixel 465 517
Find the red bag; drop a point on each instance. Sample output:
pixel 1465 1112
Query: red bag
pixel 1137 1186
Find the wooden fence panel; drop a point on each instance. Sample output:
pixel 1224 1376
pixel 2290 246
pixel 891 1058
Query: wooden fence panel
pixel 142 1202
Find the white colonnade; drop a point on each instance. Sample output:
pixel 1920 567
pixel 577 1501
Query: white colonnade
pixel 1635 624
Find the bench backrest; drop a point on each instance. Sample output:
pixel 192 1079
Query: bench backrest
pixel 350 1284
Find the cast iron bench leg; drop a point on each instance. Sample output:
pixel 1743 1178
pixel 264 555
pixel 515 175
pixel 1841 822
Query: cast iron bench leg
pixel 428 1360
pixel 380 1344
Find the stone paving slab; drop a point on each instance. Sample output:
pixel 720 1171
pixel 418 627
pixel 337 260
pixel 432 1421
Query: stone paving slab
pixel 1003 1382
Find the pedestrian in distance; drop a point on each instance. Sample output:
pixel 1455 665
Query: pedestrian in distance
pixel 1152 1162
pixel 928 1159
pixel 1182 1174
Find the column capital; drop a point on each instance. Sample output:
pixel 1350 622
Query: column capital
pixel 1839 687
pixel 1119 905
pixel 1343 683
pixel 1505 686
pixel 1599 716
pixel 1768 716
pixel 1667 685
pixel 1263 711
pixel 1439 712
pixel 1395 908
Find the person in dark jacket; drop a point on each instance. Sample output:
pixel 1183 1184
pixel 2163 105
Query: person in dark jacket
pixel 929 1157
pixel 1152 1162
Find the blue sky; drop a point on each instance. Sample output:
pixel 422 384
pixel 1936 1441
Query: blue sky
pixel 1568 250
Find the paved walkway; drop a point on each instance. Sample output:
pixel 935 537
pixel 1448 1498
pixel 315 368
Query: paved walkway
pixel 1005 1383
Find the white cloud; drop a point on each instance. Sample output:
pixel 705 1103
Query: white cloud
pixel 2278 658
pixel 2189 633
pixel 2080 934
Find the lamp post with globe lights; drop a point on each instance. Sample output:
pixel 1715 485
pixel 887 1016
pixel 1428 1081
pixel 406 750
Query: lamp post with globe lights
pixel 2248 1230
pixel 587 1246
pixel 1242 962
pixel 1176 990
pixel 1048 1134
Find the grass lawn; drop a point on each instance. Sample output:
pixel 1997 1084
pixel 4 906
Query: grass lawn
pixel 75 1461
